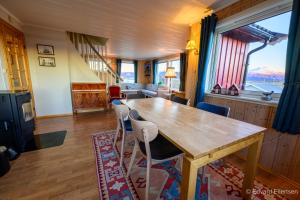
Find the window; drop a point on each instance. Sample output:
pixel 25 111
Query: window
pixel 161 71
pixel 253 56
pixel 127 72
pixel 160 75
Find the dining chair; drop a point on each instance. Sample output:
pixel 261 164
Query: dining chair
pixel 123 123
pixel 154 147
pixel 216 109
pixel 180 100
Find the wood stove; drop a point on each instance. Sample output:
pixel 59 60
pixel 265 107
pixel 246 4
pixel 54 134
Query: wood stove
pixel 16 119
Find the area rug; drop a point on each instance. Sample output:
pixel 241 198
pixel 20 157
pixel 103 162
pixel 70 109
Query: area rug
pixel 46 140
pixel 222 179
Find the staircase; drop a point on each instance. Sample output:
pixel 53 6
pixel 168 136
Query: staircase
pixel 94 52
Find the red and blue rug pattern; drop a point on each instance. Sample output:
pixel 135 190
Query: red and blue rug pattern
pixel 220 182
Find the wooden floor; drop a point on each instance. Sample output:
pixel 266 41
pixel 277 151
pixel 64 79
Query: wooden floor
pixel 68 171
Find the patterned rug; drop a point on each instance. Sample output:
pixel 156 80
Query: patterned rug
pixel 222 179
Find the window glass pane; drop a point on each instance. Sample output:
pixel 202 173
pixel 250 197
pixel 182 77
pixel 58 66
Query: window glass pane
pixel 127 72
pixel 265 67
pixel 160 75
pixel 176 81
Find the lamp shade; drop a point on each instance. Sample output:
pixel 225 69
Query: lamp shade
pixel 170 72
pixel 191 45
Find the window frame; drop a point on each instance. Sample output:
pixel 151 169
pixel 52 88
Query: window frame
pixel 257 13
pixel 127 62
pixel 168 61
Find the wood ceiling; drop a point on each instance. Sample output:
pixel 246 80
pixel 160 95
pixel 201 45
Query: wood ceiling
pixel 139 29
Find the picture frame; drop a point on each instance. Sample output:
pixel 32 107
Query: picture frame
pixel 147 69
pixel 47 61
pixel 44 49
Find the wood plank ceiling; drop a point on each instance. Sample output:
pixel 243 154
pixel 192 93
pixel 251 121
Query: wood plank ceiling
pixel 139 29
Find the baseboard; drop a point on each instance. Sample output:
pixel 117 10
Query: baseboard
pixel 52 116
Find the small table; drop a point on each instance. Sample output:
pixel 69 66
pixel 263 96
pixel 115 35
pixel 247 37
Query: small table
pixel 204 137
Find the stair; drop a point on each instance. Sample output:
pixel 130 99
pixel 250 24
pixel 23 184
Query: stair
pixel 94 52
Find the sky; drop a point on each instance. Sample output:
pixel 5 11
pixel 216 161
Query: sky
pixel 271 59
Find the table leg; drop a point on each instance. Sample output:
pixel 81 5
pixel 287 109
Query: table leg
pixel 189 178
pixel 250 168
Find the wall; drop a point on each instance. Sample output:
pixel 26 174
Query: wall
pixel 51 85
pixel 79 70
pixel 192 66
pixel 280 152
pixel 237 7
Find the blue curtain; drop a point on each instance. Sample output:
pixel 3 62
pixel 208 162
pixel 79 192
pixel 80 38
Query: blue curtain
pixel 119 63
pixel 208 26
pixel 135 62
pixel 182 71
pixel 287 117
pixel 154 70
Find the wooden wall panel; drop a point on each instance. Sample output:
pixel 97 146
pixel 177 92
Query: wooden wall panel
pixel 284 154
pixel 280 152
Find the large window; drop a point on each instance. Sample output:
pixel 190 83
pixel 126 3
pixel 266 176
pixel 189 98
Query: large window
pixel 127 72
pixel 161 71
pixel 253 56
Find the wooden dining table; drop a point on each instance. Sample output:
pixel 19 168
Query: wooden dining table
pixel 203 137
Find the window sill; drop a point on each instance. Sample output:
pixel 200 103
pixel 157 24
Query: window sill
pixel 254 99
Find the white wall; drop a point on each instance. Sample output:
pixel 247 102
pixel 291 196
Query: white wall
pixel 51 85
pixel 79 71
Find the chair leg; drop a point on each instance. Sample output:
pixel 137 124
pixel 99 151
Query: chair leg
pixel 180 160
pixel 134 151
pixel 148 179
pixel 117 134
pixel 122 148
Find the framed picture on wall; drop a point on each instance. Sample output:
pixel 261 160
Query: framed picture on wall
pixel 45 49
pixel 47 61
pixel 147 69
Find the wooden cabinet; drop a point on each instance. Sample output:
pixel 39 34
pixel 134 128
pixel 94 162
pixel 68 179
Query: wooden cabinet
pixel 280 151
pixel 14 57
pixel 88 96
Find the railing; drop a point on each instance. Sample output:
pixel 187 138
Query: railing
pixel 95 54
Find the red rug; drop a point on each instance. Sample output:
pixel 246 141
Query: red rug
pixel 221 181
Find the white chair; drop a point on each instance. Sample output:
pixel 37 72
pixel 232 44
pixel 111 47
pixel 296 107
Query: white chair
pixel 123 123
pixel 154 147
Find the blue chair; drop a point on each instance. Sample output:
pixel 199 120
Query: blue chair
pixel 116 102
pixel 219 110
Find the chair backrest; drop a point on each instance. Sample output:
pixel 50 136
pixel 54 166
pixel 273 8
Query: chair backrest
pixel 142 127
pixel 179 100
pixel 114 91
pixel 220 110
pixel 122 112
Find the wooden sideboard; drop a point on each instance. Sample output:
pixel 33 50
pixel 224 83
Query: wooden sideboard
pixel 280 151
pixel 88 96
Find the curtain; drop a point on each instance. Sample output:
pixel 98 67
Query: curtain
pixel 119 63
pixel 287 117
pixel 182 71
pixel 135 62
pixel 208 26
pixel 154 69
